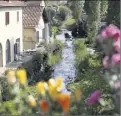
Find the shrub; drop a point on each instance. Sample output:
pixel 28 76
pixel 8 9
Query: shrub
pixel 8 108
pixel 69 24
pixel 38 68
pixel 5 93
pixel 55 50
pixel 64 12
pixel 80 50
pixel 93 80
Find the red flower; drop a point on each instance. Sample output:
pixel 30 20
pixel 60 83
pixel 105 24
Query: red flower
pixel 64 100
pixel 44 106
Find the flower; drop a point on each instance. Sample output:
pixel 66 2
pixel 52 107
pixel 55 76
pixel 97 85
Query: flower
pixel 44 106
pixel 105 62
pixel 52 82
pixel 11 77
pixel 41 88
pixel 53 92
pixel 115 59
pixel 78 95
pixel 117 46
pixel 32 101
pixel 111 31
pixel 11 74
pixel 95 96
pixel 64 100
pixel 22 76
pixel 60 84
pixel 117 85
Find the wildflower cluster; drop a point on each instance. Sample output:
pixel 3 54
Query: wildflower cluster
pixel 110 41
pixel 49 94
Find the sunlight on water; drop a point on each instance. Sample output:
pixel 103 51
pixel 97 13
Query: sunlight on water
pixel 66 67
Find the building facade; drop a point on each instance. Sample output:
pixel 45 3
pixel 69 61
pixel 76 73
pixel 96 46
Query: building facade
pixel 11 31
pixel 35 26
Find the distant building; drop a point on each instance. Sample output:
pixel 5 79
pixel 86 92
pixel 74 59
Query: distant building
pixel 35 24
pixel 11 32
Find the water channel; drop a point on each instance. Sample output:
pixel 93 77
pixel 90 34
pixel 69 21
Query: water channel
pixel 66 68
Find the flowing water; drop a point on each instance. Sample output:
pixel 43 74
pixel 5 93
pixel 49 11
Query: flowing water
pixel 66 67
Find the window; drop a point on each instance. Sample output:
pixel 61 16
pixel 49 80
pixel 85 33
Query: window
pixel 17 16
pixel 37 35
pixel 6 18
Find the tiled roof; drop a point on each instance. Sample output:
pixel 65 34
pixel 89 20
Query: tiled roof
pixel 32 13
pixel 11 3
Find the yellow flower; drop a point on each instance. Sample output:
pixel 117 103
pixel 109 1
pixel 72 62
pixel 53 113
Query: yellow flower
pixel 11 77
pixel 21 74
pixel 41 88
pixel 32 101
pixel 64 100
pixel 53 92
pixel 60 84
pixel 78 95
pixel 52 82
pixel 46 85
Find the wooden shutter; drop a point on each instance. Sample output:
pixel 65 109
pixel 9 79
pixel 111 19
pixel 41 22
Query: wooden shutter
pixel 37 35
pixel 17 16
pixel 7 18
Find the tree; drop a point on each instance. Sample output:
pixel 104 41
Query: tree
pixel 77 7
pixel 92 9
pixel 64 13
pixel 113 15
pixel 104 7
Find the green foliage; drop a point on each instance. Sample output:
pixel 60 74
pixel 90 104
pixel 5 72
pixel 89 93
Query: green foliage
pixel 93 80
pixel 58 14
pixel 104 7
pixel 55 31
pixel 5 93
pixel 80 50
pixel 89 78
pixel 88 63
pixel 38 68
pixel 42 44
pixel 55 50
pixel 92 9
pixel 113 15
pixel 9 108
pixel 76 7
pixel 69 24
pixel 54 59
pixel 64 13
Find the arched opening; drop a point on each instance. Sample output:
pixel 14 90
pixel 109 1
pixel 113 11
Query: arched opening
pixel 16 48
pixel 18 45
pixel 1 55
pixel 8 52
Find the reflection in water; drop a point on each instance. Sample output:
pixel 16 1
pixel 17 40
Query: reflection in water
pixel 66 67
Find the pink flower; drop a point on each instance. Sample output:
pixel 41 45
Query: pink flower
pixel 117 46
pixel 117 85
pixel 95 96
pixel 111 31
pixel 115 59
pixel 105 62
